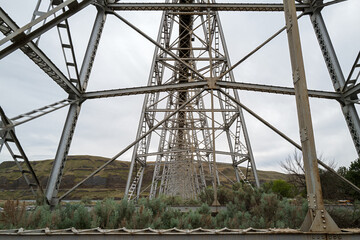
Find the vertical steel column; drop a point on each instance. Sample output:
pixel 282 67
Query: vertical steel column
pixel 317 219
pixel 74 110
pixel 336 75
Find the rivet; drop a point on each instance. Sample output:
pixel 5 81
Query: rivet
pixel 324 221
pixel 324 226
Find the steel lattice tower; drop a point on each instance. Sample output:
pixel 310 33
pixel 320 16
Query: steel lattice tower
pixel 192 115
pixel 193 50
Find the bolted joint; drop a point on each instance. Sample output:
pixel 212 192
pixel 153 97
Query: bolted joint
pixel 303 134
pixel 212 82
pixel 311 201
pixel 296 76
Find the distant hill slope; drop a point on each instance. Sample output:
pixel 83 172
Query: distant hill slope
pixel 108 183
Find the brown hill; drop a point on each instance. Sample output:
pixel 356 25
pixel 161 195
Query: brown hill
pixel 108 183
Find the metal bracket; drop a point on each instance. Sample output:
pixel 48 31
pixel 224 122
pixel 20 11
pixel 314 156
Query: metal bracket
pixel 311 197
pixel 296 76
pixel 303 134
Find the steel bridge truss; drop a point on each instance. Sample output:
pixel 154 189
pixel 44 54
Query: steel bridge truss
pixel 192 115
pixel 186 142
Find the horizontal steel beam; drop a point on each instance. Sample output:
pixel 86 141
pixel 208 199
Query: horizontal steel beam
pixel 276 89
pixel 26 117
pixel 260 7
pixel 204 84
pixel 193 110
pixel 191 128
pixel 206 59
pixel 143 90
pixel 194 152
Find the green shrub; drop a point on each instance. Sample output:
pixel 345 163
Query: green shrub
pixel 125 210
pixel 245 208
pixel 82 219
pixel 172 200
pixel 142 218
pixel 224 195
pixel 41 217
pixel 282 188
pixel 170 218
pixel 105 214
pixel 207 196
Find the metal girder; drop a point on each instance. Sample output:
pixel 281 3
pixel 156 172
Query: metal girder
pixel 204 84
pixel 201 7
pixel 74 110
pixel 144 90
pixel 58 166
pixel 207 151
pixel 38 57
pixel 276 89
pixel 194 110
pixel 26 117
pixel 317 218
pixel 336 75
pixel 20 38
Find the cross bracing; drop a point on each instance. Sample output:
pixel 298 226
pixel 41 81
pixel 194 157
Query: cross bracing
pixel 191 100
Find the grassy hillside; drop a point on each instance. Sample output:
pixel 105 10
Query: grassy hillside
pixel 108 183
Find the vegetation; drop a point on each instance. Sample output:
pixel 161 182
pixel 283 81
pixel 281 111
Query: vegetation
pixel 278 204
pixel 333 188
pixel 244 208
pixel 101 186
pixel 281 188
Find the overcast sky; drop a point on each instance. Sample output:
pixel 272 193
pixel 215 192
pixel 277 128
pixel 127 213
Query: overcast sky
pixel 124 58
